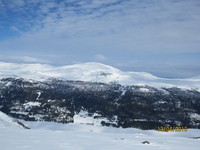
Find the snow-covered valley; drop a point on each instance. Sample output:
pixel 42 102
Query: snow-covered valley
pixel 80 136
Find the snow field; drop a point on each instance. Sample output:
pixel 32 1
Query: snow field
pixel 55 136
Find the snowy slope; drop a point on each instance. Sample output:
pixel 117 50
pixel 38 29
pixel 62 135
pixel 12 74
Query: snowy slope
pixel 94 72
pixel 55 136
pixel 6 121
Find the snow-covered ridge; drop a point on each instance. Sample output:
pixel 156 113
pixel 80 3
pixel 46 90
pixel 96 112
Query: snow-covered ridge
pixel 93 72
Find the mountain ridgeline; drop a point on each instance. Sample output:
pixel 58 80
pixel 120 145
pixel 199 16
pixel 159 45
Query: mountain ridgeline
pixel 142 107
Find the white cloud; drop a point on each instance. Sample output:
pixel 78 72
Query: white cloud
pixel 139 24
pixel 16 29
pixel 15 5
pixel 100 57
pixel 30 59
pixel 117 29
pixel 22 59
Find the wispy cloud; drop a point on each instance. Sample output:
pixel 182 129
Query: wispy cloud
pixel 100 57
pixel 119 29
pixel 33 60
pixel 16 29
pixel 22 59
pixel 152 22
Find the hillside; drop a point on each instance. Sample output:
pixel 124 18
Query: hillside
pixel 92 72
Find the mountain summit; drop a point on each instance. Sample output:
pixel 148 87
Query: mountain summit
pixel 92 72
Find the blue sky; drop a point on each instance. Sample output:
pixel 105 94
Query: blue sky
pixel 157 36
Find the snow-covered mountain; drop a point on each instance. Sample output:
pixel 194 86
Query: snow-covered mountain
pixel 94 93
pixel 111 104
pixel 92 72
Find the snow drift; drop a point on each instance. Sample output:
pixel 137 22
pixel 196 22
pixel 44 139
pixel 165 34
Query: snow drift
pixel 6 121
